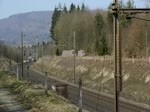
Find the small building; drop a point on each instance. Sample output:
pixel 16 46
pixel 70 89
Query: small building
pixel 81 53
pixel 68 53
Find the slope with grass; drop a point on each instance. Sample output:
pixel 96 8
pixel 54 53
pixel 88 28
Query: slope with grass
pixel 99 74
pixel 34 96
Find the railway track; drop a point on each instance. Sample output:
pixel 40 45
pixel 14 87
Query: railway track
pixel 93 100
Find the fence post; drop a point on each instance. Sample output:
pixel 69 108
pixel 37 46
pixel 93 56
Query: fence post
pixel 46 84
pixel 27 72
pixel 133 60
pixel 80 95
pixel 17 72
pixel 110 59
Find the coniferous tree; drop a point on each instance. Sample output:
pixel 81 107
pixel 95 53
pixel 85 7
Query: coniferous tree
pixel 109 16
pixel 55 18
pixel 57 52
pixel 130 4
pixel 101 45
pixel 65 9
pixel 83 7
pixel 99 23
pixel 72 8
pixel 78 8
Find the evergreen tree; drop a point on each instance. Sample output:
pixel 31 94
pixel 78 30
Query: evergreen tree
pixel 55 17
pixel 83 7
pixel 59 6
pixel 130 4
pixel 57 52
pixel 78 8
pixel 72 8
pixel 99 23
pixel 109 16
pixel 65 9
pixel 101 46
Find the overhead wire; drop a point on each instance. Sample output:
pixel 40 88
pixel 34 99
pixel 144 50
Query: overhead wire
pixel 140 18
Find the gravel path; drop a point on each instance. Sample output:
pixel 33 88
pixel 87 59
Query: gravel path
pixel 9 102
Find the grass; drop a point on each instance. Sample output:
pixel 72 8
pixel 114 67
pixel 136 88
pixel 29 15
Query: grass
pixel 136 76
pixel 35 96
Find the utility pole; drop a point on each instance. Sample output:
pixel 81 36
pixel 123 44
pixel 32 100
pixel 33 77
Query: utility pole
pixel 36 48
pixel 42 56
pixel 17 72
pixel 22 51
pixel 146 44
pixel 80 95
pixel 10 62
pixel 117 55
pixel 117 46
pixel 74 46
pixel 46 83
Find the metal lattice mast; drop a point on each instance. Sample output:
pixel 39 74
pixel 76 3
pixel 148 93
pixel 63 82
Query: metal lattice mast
pixel 117 47
pixel 117 55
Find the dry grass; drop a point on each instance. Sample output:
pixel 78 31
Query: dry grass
pixel 34 95
pixel 99 74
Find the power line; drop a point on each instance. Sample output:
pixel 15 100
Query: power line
pixel 130 17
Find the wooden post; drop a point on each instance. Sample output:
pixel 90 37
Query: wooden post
pixel 80 95
pixel 46 84
pixel 74 45
pixel 28 72
pixel 22 51
pixel 17 72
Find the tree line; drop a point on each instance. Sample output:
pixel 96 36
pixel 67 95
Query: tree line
pixel 9 52
pixel 94 30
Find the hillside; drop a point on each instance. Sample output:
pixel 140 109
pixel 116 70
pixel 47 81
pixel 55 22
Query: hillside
pixel 99 75
pixel 32 24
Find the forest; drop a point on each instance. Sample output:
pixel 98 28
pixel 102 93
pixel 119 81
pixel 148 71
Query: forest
pixel 94 30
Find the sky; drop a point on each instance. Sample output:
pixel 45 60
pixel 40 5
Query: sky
pixel 10 7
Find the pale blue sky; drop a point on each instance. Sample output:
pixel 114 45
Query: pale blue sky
pixel 10 7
